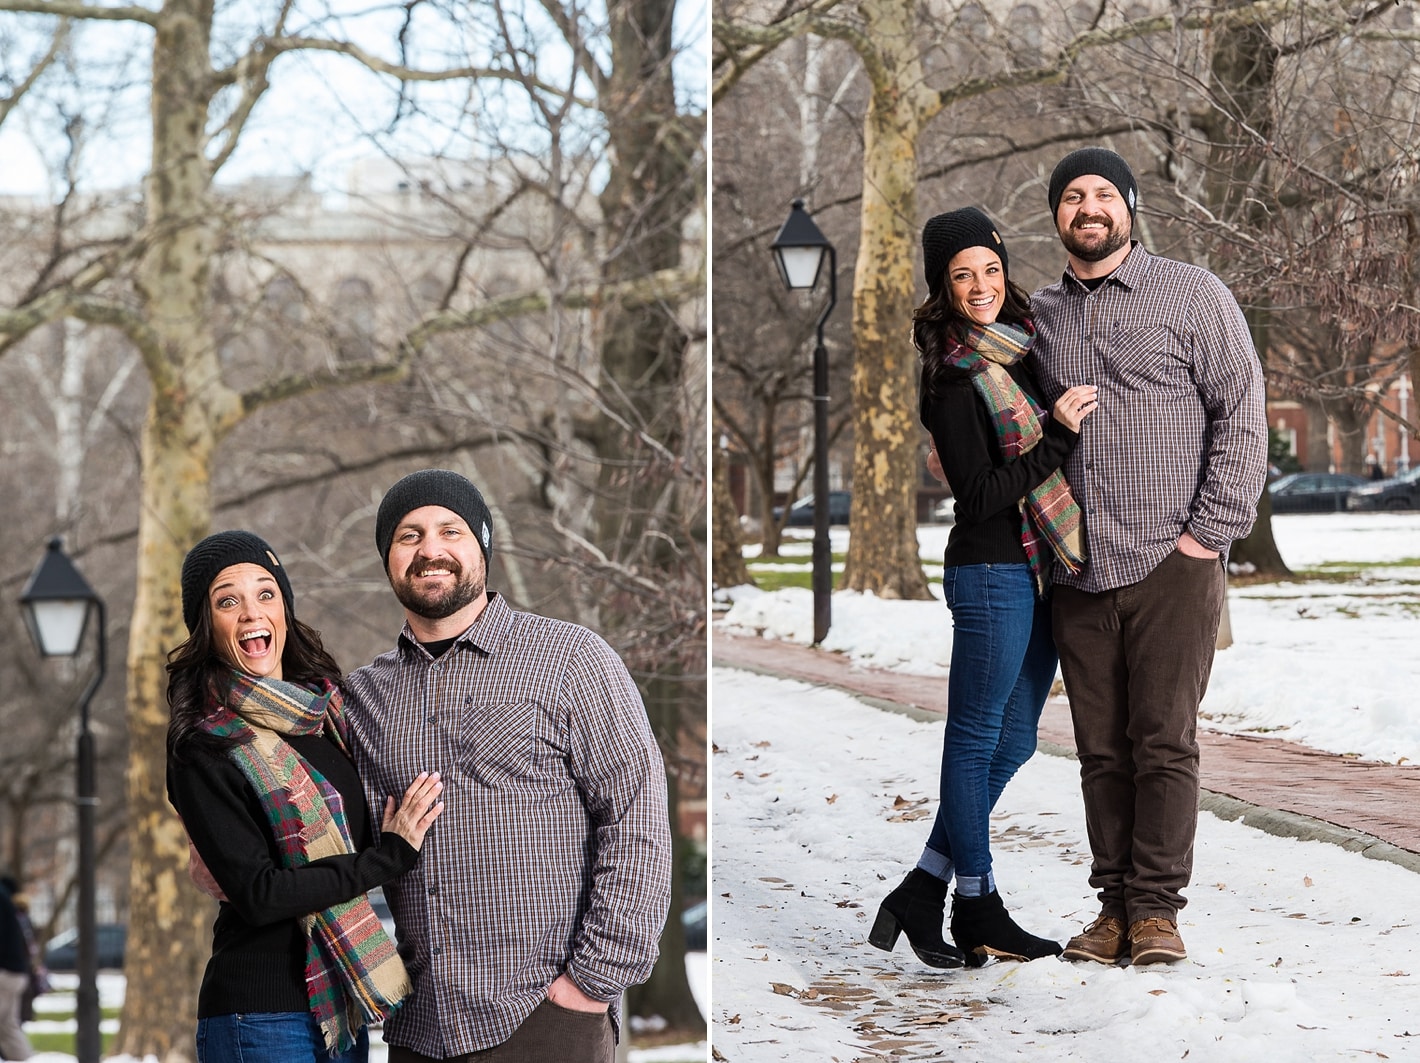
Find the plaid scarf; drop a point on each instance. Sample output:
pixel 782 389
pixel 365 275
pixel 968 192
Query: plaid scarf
pixel 354 976
pixel 1048 512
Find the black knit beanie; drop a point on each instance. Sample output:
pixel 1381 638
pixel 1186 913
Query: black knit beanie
pixel 434 487
pixel 946 234
pixel 214 553
pixel 1101 162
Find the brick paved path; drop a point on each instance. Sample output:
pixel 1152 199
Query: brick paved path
pixel 1381 801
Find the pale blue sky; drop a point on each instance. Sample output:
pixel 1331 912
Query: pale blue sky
pixel 318 115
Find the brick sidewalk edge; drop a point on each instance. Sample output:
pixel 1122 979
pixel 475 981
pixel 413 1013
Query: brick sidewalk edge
pixel 1273 821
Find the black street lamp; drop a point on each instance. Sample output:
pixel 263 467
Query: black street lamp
pixel 57 602
pixel 799 251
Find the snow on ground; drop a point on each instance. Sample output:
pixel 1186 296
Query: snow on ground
pixel 1329 664
pixel 1299 951
pixel 112 987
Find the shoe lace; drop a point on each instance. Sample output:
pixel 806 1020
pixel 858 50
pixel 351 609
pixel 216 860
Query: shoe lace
pixel 1144 926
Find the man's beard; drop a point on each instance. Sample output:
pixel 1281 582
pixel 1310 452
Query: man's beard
pixel 437 603
pixel 1114 239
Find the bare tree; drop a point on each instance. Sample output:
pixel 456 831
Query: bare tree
pixel 1152 78
pixel 159 282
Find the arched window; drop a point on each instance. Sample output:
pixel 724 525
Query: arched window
pixel 1025 35
pixel 354 315
pixel 973 24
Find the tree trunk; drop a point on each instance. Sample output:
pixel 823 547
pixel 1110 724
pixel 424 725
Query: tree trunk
pixel 1244 65
pixel 642 516
pixel 169 926
pixel 882 550
pixel 727 562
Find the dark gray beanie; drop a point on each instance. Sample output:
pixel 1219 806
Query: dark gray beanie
pixel 1100 162
pixel 946 234
pixel 216 552
pixel 434 487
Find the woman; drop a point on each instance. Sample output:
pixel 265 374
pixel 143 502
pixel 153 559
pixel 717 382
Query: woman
pixel 1001 455
pixel 259 772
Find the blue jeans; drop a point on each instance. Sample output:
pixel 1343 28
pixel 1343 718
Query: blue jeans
pixel 1003 662
pixel 271 1037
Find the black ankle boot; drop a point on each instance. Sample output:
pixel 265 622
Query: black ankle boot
pixel 982 927
pixel 916 907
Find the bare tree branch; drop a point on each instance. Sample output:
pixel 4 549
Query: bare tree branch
pixel 76 9
pixel 242 69
pixel 669 286
pixel 56 45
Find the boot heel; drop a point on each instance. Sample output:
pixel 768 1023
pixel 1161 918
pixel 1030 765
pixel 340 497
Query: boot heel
pixel 885 932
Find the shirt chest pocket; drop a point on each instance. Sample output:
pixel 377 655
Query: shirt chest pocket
pixel 1151 357
pixel 508 744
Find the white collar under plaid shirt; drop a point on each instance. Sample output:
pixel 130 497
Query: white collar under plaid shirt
pixel 1179 440
pixel 553 850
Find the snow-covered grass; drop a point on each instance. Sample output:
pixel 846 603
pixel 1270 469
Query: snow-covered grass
pixel 820 803
pixel 1330 660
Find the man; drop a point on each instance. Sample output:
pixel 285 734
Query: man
pixel 541 896
pixel 1168 472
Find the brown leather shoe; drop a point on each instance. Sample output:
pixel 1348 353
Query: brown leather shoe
pixel 1155 940
pixel 1103 941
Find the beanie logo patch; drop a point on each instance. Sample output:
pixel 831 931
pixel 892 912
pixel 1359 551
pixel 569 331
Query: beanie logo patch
pixel 486 535
pixel 995 236
pixel 273 559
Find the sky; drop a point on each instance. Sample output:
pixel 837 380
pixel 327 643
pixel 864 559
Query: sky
pixel 314 119
pixel 1299 950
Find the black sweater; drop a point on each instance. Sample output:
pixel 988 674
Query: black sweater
pixel 258 950
pixel 986 489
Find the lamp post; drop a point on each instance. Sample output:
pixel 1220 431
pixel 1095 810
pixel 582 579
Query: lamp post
pixel 57 601
pixel 799 251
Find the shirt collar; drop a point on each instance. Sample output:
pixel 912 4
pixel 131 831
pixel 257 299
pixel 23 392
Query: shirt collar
pixel 1128 274
pixel 483 634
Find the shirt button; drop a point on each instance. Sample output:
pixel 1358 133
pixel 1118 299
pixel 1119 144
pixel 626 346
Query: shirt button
pixel 432 719
pixel 433 890
pixel 437 949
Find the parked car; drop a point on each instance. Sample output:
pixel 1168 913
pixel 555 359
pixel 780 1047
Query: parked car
pixel 801 513
pixel 945 511
pixel 1312 492
pixel 693 918
pixel 62 952
pixel 1399 492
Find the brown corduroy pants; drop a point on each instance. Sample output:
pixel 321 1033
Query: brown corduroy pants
pixel 1136 661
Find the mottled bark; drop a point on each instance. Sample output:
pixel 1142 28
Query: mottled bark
pixel 169 932
pixel 882 553
pixel 727 562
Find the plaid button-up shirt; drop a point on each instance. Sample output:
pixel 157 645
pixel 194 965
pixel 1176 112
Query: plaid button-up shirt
pixel 1179 440
pixel 552 853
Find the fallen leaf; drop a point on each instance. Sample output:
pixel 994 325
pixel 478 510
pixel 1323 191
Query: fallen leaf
pixel 1306 880
pixel 1157 992
pixel 783 990
pixel 761 745
pixel 831 799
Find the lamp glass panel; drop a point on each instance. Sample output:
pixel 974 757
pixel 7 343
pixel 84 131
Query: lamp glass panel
pixel 59 625
pixel 800 265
